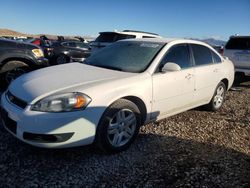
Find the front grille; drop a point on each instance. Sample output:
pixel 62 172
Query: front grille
pixel 13 99
pixel 10 124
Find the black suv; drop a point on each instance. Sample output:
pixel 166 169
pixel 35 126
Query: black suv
pixel 17 58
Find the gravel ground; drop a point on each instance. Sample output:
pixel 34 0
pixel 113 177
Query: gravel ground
pixel 193 149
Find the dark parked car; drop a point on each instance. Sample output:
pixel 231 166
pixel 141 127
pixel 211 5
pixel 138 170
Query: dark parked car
pixel 69 51
pixel 17 58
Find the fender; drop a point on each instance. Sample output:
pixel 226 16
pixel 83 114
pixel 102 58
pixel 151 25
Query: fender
pixel 17 55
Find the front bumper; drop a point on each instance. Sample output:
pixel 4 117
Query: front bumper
pixel 73 128
pixel 73 59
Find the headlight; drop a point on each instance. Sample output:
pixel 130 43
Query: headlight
pixel 38 53
pixel 62 103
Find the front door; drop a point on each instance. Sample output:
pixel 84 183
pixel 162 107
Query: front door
pixel 174 91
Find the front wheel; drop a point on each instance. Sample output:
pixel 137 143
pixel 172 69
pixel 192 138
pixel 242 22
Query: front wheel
pixel 218 97
pixel 118 126
pixel 11 71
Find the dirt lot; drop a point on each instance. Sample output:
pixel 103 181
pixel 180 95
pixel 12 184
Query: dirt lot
pixel 192 149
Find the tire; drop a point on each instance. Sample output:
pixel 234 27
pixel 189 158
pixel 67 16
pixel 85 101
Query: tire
pixel 239 78
pixel 218 98
pixel 113 133
pixel 62 59
pixel 12 70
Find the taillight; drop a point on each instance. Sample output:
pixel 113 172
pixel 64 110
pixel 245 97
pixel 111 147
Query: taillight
pixel 49 51
pixel 222 51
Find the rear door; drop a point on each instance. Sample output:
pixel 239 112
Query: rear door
pixel 207 73
pixel 238 50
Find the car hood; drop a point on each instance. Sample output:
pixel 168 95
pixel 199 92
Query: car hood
pixel 46 81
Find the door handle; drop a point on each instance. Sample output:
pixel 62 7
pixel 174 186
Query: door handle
pixel 189 76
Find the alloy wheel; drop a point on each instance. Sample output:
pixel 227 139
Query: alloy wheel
pixel 61 60
pixel 219 97
pixel 121 127
pixel 13 74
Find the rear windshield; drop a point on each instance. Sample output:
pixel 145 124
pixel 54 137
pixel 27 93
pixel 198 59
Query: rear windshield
pixel 112 37
pixel 238 43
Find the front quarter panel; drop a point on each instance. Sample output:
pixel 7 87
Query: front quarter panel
pixel 104 95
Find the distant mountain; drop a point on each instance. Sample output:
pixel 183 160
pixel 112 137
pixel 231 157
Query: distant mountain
pixel 8 32
pixel 212 41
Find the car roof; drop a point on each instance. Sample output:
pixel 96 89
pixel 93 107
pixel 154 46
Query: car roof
pixel 8 40
pixel 70 41
pixel 240 36
pixel 166 40
pixel 65 41
pixel 12 41
pixel 18 42
pixel 132 32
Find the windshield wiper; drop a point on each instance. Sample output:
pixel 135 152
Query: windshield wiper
pixel 108 67
pixel 102 66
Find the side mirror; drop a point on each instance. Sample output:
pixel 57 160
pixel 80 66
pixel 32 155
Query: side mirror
pixel 170 67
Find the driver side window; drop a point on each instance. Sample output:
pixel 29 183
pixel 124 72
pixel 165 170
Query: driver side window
pixel 178 54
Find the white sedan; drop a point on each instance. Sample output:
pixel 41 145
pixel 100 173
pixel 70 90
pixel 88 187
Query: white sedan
pixel 121 87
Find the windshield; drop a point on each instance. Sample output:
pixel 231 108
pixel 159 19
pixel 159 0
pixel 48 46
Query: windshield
pixel 126 56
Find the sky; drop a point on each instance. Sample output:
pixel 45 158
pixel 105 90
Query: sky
pixel 218 19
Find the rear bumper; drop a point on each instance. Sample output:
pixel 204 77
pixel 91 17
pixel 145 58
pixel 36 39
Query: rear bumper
pixel 78 59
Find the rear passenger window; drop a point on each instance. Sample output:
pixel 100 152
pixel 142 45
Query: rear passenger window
pixel 72 44
pixel 65 44
pixel 121 37
pixel 216 58
pixel 148 37
pixel 178 54
pixel 69 44
pixel 81 45
pixel 202 55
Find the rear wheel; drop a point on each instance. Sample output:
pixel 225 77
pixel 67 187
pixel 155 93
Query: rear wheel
pixel 62 59
pixel 11 71
pixel 218 97
pixel 118 126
